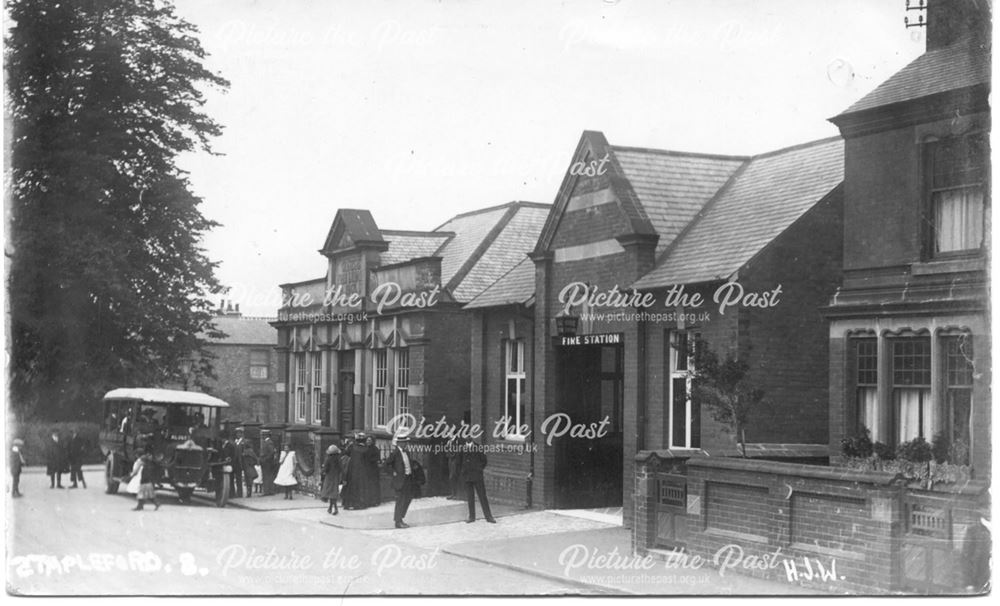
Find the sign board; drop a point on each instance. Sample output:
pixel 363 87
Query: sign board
pixel 607 338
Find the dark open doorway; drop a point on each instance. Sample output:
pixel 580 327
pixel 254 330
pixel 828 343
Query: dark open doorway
pixel 589 389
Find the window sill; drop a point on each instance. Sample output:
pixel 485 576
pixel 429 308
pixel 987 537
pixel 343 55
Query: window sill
pixel 514 438
pixel 949 266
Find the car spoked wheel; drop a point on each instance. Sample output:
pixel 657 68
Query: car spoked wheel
pixel 222 493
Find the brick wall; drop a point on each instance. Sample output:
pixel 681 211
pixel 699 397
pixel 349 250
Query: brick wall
pixel 823 528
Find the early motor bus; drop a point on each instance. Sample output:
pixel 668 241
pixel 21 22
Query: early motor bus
pixel 181 429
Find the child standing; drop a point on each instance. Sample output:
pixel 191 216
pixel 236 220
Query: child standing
pixel 287 466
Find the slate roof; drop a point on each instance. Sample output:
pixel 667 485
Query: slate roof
pixel 673 186
pixel 406 245
pixel 960 65
pixel 769 194
pixel 245 331
pixel 516 287
pixel 470 231
pixel 515 240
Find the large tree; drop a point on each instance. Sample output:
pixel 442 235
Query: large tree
pixel 108 284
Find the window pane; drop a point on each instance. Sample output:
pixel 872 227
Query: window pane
pixel 609 359
pixel 959 410
pixel 867 362
pixel 911 361
pixel 958 360
pixel 679 405
pixel 680 345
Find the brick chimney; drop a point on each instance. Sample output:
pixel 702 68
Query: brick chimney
pixel 949 21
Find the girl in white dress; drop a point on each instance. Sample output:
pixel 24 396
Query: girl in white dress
pixel 288 464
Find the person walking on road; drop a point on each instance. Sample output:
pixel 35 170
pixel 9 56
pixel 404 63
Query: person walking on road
pixel 330 491
pixel 402 479
pixel 268 456
pixel 55 460
pixel 17 462
pixel 75 451
pixel 147 492
pixel 473 463
pixel 286 470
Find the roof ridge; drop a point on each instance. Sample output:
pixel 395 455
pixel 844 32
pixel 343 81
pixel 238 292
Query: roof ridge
pixel 415 232
pixel 672 152
pixel 795 147
pixel 469 213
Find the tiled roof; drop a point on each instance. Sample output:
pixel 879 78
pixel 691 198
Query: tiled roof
pixel 515 240
pixel 245 331
pixel 406 245
pixel 470 231
pixel 771 192
pixel 514 288
pixel 953 67
pixel 673 186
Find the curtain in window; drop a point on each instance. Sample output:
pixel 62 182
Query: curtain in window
pixel 910 403
pixel 958 219
pixel 868 410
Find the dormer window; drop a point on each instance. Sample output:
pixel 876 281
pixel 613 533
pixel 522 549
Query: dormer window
pixel 957 188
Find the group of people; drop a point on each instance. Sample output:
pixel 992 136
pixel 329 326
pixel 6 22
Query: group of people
pixel 352 473
pixel 258 472
pixel 64 456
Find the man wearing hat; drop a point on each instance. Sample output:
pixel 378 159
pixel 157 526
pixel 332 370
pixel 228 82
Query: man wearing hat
pixel 267 462
pixel 16 463
pixel 402 478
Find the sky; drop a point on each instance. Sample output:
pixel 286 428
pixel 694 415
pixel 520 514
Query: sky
pixel 422 109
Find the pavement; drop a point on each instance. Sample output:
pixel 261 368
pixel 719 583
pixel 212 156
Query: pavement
pixel 584 552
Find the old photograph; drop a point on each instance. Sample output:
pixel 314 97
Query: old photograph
pixel 497 298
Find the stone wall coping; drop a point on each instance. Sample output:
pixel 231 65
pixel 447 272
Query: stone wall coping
pixel 754 451
pixel 882 478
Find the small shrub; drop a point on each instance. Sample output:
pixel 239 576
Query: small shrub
pixel 941 447
pixel 916 450
pixel 858 446
pixel 883 451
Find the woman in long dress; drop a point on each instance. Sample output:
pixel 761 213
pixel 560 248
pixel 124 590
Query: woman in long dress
pixel 354 478
pixel 373 492
pixel 287 466
pixel 330 490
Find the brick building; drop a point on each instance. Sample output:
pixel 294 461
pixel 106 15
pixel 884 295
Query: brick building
pixel 658 221
pixel 351 364
pixel 245 365
pixel 909 326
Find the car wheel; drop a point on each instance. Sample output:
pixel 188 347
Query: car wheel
pixel 222 494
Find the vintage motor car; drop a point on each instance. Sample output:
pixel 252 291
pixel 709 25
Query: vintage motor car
pixel 181 429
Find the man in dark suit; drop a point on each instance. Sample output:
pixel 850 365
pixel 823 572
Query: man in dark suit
pixel 401 464
pixel 268 469
pixel 76 452
pixel 55 460
pixel 473 461
pixel 238 474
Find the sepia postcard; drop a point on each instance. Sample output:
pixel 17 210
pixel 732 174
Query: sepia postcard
pixel 482 298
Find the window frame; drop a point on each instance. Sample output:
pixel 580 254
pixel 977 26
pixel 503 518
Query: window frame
pixel 380 388
pixel 401 372
pixel 266 365
pixel 928 152
pixel 674 372
pixel 519 375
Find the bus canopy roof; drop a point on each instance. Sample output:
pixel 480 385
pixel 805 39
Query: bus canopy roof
pixel 165 396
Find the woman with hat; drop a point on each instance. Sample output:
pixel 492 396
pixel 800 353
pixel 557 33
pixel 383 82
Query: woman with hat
pixel 330 490
pixel 354 479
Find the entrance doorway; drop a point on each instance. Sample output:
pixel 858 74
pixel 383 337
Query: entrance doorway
pixel 590 388
pixel 345 392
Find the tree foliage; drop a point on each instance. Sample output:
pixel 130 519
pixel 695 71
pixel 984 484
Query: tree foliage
pixel 725 388
pixel 108 284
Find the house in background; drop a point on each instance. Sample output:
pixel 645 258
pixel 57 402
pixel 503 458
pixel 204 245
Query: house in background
pixel 401 346
pixel 654 220
pixel 245 366
pixel 909 327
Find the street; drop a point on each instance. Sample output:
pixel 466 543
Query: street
pixel 86 542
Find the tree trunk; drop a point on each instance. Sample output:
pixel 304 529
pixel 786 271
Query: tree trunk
pixel 743 441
